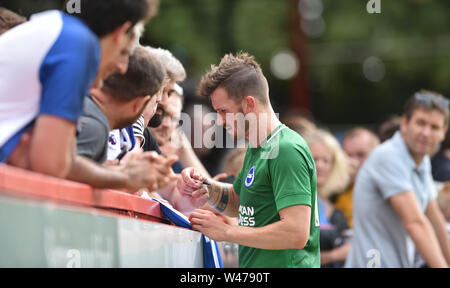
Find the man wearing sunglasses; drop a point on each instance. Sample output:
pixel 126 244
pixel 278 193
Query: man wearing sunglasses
pixel 170 118
pixel 396 216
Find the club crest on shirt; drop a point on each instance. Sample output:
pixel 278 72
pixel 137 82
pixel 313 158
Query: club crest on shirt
pixel 250 177
pixel 112 139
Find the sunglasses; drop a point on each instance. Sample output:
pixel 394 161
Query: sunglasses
pixel 429 99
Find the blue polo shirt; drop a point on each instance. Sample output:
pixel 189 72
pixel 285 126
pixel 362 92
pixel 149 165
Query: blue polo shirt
pixel 380 239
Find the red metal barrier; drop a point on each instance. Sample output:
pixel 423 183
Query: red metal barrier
pixel 26 184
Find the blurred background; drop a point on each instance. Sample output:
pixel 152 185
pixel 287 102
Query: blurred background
pixel 330 60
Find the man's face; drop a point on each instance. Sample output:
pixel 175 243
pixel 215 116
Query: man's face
pixel 160 108
pixel 228 108
pixel 423 131
pixel 156 119
pixel 115 57
pixel 150 110
pixel 170 120
pixel 358 149
pixel 120 57
pixel 165 93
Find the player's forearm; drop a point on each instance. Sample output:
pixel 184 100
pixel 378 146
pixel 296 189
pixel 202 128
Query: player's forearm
pixel 223 198
pixel 426 242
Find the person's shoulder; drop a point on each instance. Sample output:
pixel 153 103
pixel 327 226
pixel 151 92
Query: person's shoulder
pixel 93 114
pixel 290 146
pixel 71 36
pixel 77 33
pixel 93 125
pixel 150 142
pixel 294 142
pixel 67 25
pixel 75 48
pixel 386 152
pixel 289 139
pixel 75 26
pixel 91 109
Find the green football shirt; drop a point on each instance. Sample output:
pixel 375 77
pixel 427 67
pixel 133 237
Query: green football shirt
pixel 278 174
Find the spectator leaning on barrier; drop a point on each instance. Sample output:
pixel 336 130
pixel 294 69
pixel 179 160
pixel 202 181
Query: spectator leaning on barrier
pixel 357 144
pixel 144 80
pixel 175 74
pixel 9 20
pixel 119 103
pixel 171 117
pixel 38 120
pixel 167 136
pixel 116 105
pixel 277 213
pixel 394 198
pixel 150 123
pixel 170 137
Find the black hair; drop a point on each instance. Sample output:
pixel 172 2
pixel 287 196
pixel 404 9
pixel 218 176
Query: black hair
pixel 105 16
pixel 145 76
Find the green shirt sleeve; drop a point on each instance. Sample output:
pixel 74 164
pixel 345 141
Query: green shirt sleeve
pixel 291 174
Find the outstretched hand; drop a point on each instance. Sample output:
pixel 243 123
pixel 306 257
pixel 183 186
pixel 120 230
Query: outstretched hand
pixel 191 188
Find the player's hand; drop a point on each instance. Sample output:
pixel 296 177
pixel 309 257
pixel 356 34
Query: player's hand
pixel 209 224
pixel 191 180
pixel 198 198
